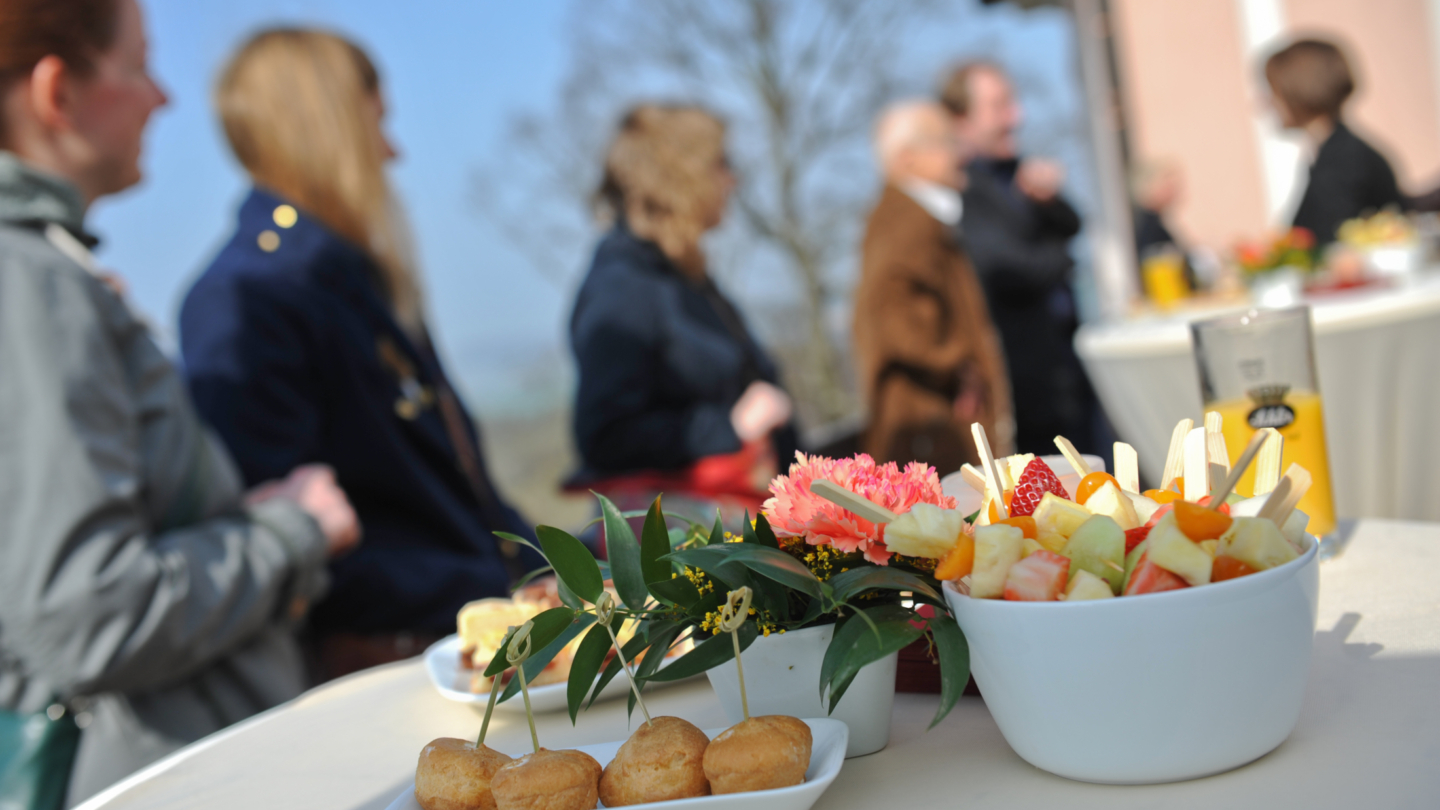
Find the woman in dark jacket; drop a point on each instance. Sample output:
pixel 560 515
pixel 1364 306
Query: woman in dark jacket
pixel 675 393
pixel 1310 81
pixel 305 341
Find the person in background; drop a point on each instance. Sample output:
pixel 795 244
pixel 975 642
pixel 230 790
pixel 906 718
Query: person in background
pixel 1017 229
pixel 1310 81
pixel 674 394
pixel 305 342
pixel 142 589
pixel 927 356
pixel 1155 188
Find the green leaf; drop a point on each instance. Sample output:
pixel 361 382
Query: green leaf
pixel 542 658
pixel 631 649
pixel 567 596
pixel 708 603
pixel 847 630
pixel 677 591
pixel 574 564
pixel 659 645
pixel 870 577
pixel 896 632
pixel 623 551
pixel 954 654
pixel 547 626
pixel 972 517
pixel 515 538
pixel 498 664
pixel 717 534
pixel 586 666
pixel 776 565
pixel 708 654
pixel 530 577
pixel 654 545
pixel 764 534
pixel 715 561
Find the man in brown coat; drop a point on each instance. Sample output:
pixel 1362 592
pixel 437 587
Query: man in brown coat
pixel 928 358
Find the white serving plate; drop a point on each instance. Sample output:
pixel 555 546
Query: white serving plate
pixel 442 662
pixel 827 754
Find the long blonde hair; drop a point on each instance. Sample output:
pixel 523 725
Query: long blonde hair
pixel 293 104
pixel 660 177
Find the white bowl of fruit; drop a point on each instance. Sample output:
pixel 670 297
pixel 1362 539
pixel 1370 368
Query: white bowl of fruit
pixel 1169 649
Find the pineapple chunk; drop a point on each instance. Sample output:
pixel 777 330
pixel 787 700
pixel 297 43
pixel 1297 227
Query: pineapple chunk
pixel 926 530
pixel 1109 501
pixel 1256 542
pixel 1016 464
pixel 1085 585
pixel 1055 514
pixel 1143 506
pixel 1170 549
pixel 1030 546
pixel 997 548
pixel 1052 541
pixel 983 519
pixel 1294 529
pixel 1209 547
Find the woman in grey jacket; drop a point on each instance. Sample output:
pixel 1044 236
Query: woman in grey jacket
pixel 138 582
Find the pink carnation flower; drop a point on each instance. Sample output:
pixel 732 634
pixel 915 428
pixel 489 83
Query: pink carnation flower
pixel 794 511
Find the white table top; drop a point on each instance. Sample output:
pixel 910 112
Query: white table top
pixel 1169 333
pixel 1368 736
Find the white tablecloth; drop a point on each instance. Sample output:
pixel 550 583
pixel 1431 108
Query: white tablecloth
pixel 1378 354
pixel 1368 736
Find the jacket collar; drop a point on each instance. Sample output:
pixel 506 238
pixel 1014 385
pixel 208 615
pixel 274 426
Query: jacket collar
pixel 29 196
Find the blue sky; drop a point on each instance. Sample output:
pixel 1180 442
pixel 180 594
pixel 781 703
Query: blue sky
pixel 455 73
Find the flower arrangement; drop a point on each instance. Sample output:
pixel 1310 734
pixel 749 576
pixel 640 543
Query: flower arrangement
pixel 1294 248
pixel 805 560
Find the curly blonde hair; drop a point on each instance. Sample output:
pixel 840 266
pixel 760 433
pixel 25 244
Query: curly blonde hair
pixel 661 179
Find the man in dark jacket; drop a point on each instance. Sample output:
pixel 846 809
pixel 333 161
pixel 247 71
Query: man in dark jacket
pixel 1017 229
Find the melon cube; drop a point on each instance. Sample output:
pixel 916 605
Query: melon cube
pixel 1098 546
pixel 1085 585
pixel 1256 542
pixel 1110 501
pixel 1041 577
pixel 1132 559
pixel 1055 514
pixel 997 548
pixel 1144 507
pixel 1170 549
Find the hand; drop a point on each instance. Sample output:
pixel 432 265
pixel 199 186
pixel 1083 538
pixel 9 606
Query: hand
pixel 1040 180
pixel 761 409
pixel 312 487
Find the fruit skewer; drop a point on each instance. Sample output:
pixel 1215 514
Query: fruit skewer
pixel 1175 458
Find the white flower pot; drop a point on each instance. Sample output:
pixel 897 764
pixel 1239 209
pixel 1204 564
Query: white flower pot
pixel 782 676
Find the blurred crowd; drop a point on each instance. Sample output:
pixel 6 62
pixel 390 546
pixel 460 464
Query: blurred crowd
pixel 308 497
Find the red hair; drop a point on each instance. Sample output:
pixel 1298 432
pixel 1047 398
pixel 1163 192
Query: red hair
pixel 74 30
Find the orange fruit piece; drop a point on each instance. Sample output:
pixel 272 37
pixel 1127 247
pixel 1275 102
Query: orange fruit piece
pixel 1008 496
pixel 1024 523
pixel 959 561
pixel 1199 523
pixel 1092 482
pixel 1227 567
pixel 1162 496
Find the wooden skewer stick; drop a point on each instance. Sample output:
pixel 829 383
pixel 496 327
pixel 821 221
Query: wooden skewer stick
pixel 1002 470
pixel 1077 463
pixel 1175 458
pixel 494 690
pixel 992 474
pixel 1216 453
pixel 1267 464
pixel 732 615
pixel 1197 470
pixel 1127 467
pixel 1277 498
pixel 859 504
pixel 972 476
pixel 1256 442
pixel 605 616
pixel 1300 481
pixel 517 652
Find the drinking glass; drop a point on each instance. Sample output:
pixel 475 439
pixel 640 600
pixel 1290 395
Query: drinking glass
pixel 1258 370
